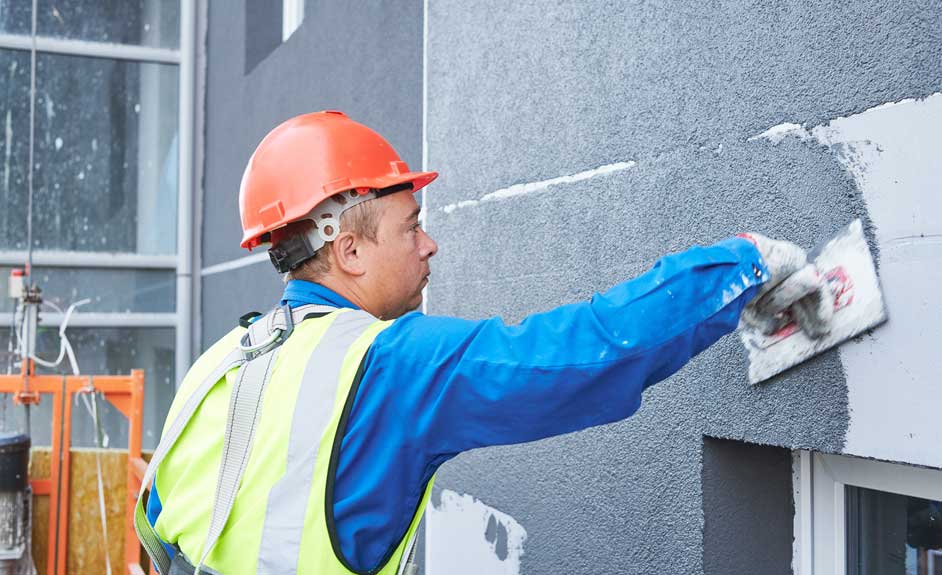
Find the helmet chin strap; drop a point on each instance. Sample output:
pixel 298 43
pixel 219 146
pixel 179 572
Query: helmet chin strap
pixel 291 252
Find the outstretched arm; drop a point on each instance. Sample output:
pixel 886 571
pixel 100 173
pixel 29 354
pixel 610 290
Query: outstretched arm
pixel 466 384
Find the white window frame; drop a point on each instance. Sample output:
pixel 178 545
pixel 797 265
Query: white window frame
pixel 819 486
pixel 292 15
pixel 182 262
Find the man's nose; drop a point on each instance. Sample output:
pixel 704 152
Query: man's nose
pixel 430 248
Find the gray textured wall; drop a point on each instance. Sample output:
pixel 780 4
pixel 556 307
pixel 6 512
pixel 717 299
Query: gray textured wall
pixel 365 60
pixel 527 91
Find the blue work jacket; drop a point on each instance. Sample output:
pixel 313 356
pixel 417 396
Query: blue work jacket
pixel 436 386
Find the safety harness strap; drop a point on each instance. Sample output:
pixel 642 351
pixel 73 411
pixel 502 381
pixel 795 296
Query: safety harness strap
pixel 271 331
pixel 245 406
pixel 145 531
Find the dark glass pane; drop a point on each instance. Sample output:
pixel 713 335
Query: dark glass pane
pixel 892 534
pixel 140 22
pixel 101 351
pixel 111 290
pixel 105 155
pixel 14 147
pixel 16 16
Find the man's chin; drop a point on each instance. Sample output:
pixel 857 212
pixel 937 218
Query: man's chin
pixel 412 306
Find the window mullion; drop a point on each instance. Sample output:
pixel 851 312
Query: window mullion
pixel 91 49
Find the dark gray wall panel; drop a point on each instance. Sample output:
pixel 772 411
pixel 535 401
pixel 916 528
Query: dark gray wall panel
pixel 227 296
pixel 530 90
pixel 364 59
pixel 747 509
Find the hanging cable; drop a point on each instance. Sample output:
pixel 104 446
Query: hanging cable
pixel 32 145
pixel 90 399
pixel 65 346
pixel 29 180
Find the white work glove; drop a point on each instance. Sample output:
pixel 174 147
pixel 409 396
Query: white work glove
pixel 795 292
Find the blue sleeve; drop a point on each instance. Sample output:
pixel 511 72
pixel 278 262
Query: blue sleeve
pixel 433 387
pixel 478 383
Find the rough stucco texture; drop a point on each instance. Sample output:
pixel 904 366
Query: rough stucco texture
pixel 343 58
pixel 526 91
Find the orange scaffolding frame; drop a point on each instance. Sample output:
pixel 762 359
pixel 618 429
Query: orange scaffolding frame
pixel 126 394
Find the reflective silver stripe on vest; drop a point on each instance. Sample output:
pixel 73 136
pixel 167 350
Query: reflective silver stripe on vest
pixel 145 531
pixel 288 499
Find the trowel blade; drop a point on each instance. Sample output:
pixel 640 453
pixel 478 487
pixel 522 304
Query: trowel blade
pixel 847 264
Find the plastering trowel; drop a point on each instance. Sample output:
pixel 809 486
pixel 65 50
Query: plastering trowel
pixel 845 262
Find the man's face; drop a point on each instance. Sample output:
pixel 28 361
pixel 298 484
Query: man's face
pixel 398 264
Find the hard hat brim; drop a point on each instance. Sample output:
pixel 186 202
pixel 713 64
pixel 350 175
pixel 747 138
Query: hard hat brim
pixel 253 239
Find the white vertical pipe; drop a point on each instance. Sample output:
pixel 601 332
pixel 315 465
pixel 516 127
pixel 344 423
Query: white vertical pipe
pixel 199 149
pixel 424 213
pixel 184 338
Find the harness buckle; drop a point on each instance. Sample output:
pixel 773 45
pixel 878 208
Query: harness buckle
pixel 276 337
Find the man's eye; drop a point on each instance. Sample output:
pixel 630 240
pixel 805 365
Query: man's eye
pixel 416 227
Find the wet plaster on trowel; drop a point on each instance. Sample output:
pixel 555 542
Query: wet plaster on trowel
pixel 466 536
pixel 893 152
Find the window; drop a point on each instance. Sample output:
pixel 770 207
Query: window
pixel 268 24
pixel 292 14
pixel 96 94
pixel 864 517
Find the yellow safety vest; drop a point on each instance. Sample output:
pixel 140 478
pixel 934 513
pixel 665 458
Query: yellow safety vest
pixel 267 506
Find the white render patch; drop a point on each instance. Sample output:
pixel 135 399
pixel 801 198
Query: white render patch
pixel 776 134
pixel 534 187
pixel 464 536
pixel 893 152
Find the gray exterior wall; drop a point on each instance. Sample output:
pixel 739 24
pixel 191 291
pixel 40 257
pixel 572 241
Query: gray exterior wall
pixel 526 92
pixel 661 111
pixel 364 60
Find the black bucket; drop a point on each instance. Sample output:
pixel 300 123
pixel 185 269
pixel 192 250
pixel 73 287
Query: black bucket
pixel 14 461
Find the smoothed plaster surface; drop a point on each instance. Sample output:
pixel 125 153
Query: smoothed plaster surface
pixel 524 93
pixel 894 153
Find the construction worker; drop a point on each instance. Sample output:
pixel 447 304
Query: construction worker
pixel 307 439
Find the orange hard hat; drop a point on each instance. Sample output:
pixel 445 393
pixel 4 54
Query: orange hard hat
pixel 308 159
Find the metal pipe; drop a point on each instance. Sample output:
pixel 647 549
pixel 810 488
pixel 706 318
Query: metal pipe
pixel 67 259
pixel 92 49
pixel 103 319
pixel 185 203
pixel 199 147
pixel 424 213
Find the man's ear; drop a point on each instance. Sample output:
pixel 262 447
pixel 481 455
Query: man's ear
pixel 347 253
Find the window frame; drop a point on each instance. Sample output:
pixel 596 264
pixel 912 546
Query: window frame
pixel 819 489
pixel 182 261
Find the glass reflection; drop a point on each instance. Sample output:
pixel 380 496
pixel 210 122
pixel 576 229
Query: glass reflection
pixel 100 351
pixel 14 147
pixel 892 534
pixel 105 155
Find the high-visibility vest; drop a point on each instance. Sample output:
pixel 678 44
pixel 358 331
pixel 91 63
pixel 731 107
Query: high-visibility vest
pixel 269 507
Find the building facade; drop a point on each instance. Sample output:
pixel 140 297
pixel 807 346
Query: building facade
pixel 577 143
